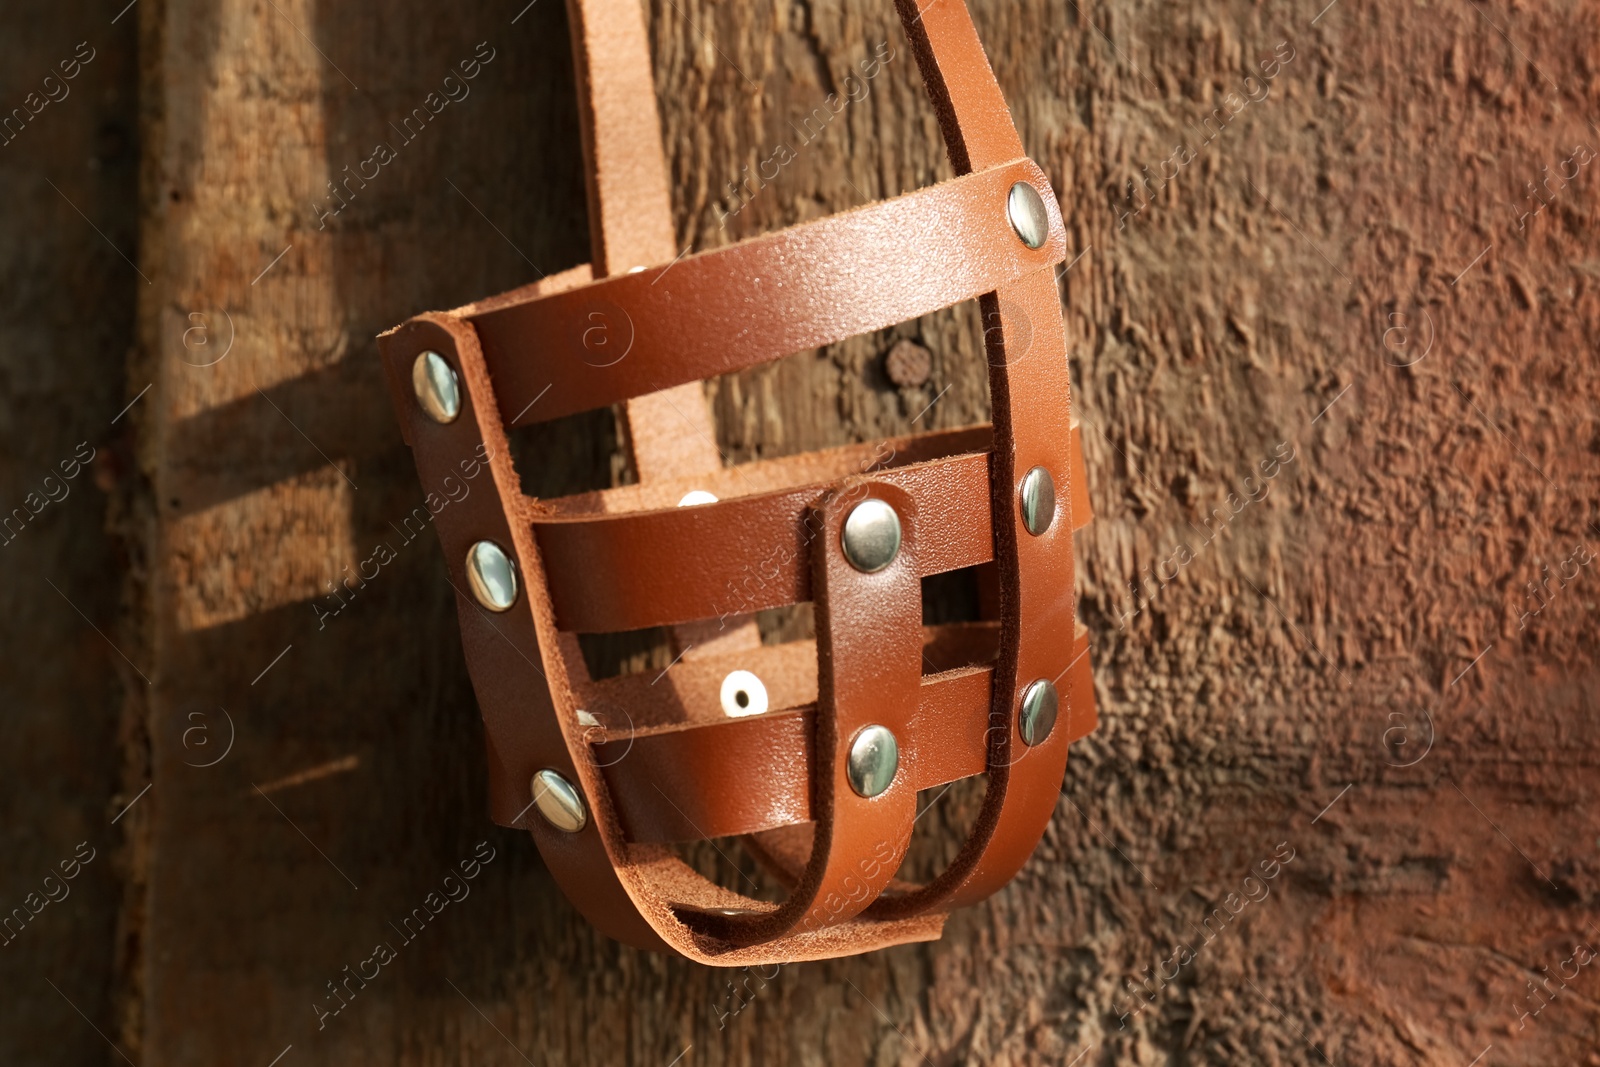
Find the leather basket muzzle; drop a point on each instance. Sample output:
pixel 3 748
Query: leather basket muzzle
pixel 609 774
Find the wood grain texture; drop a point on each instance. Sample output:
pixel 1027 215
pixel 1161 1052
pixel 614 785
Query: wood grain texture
pixel 1267 688
pixel 68 155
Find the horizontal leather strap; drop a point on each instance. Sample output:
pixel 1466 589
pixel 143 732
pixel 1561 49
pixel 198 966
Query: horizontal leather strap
pixel 614 572
pixel 739 776
pixel 726 309
pixel 725 777
pixel 610 573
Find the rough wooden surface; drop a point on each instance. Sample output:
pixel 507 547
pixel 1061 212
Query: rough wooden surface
pixel 67 170
pixel 1336 667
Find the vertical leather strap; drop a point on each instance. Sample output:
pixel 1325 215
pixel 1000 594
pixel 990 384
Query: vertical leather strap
pixel 630 213
pixel 511 655
pixel 973 117
pixel 670 433
pixel 869 674
pixel 1029 395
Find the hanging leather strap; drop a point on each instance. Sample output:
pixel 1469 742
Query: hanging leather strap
pixel 630 213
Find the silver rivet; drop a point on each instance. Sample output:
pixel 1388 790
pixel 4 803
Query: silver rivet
pixel 1038 715
pixel 1038 500
pixel 437 387
pixel 1025 208
pixel 558 802
pixel 491 576
pixel 871 536
pixel 874 758
pixel 695 497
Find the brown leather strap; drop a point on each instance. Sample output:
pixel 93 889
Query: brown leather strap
pixel 613 572
pixel 669 433
pixel 522 712
pixel 1028 391
pixel 621 572
pixel 766 763
pixel 765 297
pixel 869 645
pixel 630 213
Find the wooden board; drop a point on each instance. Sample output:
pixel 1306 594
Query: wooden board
pixel 68 286
pixel 1335 666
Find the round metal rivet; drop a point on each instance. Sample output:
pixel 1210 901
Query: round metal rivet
pixel 874 759
pixel 1038 501
pixel 743 694
pixel 1025 208
pixel 559 802
pixel 1038 715
pixel 437 387
pixel 871 536
pixel 492 577
pixel 696 497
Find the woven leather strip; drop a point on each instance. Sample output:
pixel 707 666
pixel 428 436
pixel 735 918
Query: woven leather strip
pixel 657 761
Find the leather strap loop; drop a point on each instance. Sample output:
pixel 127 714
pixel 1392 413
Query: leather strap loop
pixel 869 664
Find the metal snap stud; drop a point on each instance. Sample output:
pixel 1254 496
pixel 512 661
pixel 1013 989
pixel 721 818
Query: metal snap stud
pixel 871 536
pixel 874 759
pixel 1025 208
pixel 492 577
pixel 1038 715
pixel 743 694
pixel 696 497
pixel 1038 501
pixel 559 802
pixel 437 387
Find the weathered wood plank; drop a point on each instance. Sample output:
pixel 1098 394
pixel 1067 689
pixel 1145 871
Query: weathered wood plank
pixel 1234 311
pixel 68 168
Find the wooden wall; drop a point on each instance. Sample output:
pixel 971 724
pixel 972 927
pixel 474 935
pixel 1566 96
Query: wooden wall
pixel 1339 401
pixel 69 150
